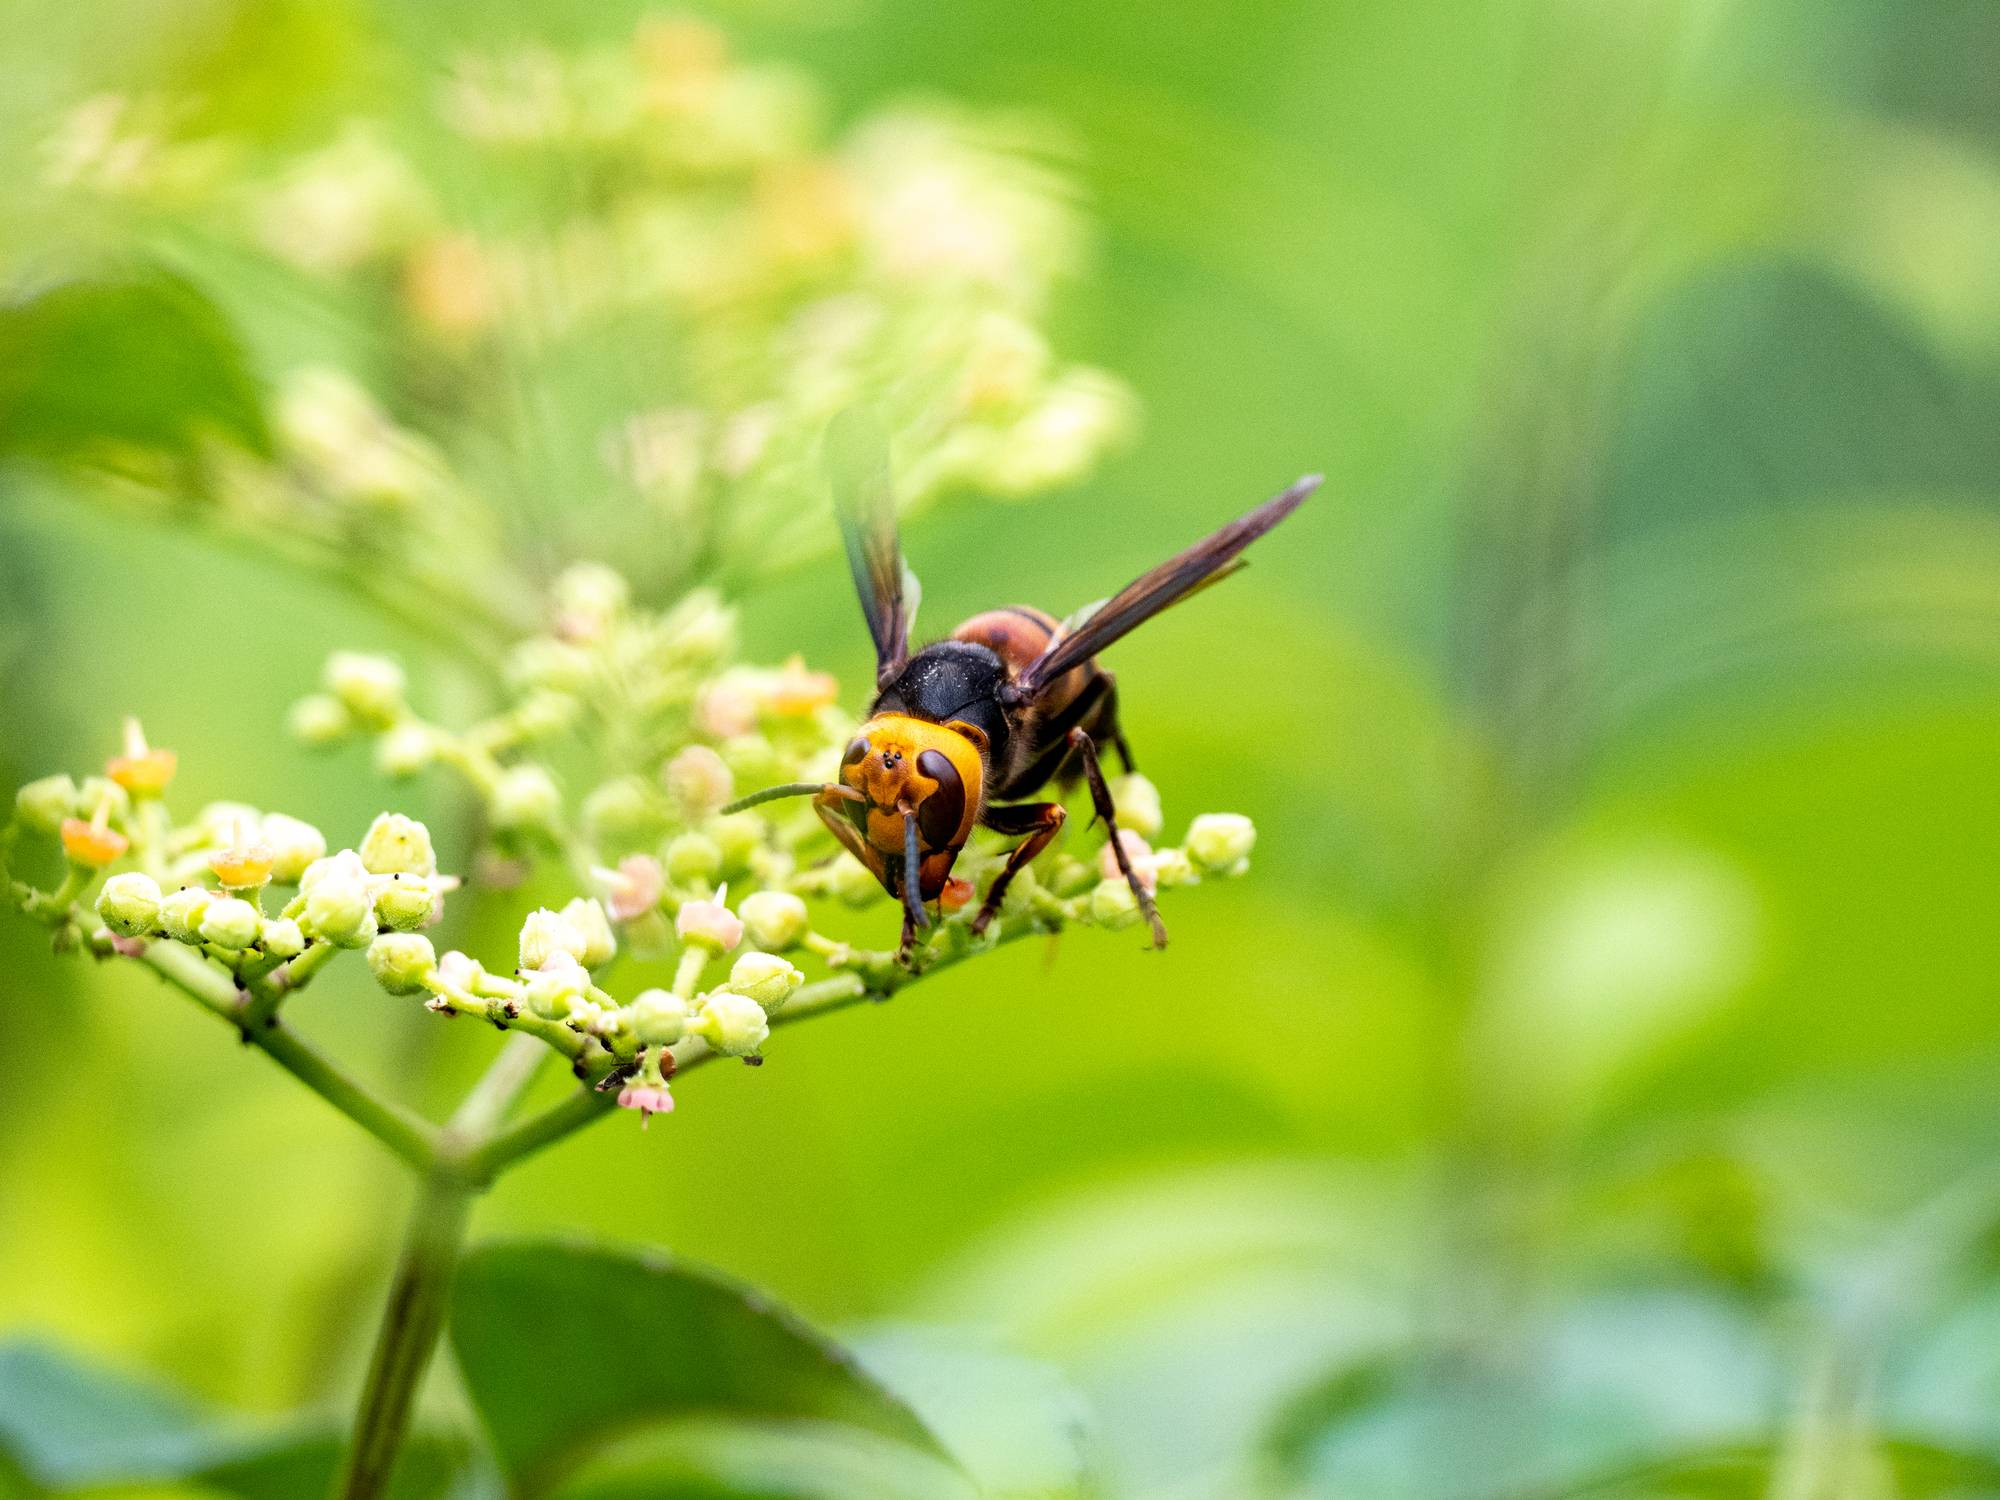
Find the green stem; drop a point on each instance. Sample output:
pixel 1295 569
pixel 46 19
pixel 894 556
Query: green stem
pixel 409 1333
pixel 403 1131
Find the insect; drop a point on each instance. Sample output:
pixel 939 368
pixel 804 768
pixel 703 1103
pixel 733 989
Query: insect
pixel 964 729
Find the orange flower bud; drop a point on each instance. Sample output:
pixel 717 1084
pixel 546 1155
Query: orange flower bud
pixel 92 844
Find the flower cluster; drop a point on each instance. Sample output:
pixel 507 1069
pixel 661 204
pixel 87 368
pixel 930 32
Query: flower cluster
pixel 660 728
pixel 906 265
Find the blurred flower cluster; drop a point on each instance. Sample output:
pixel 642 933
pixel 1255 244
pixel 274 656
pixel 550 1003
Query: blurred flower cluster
pixel 662 727
pixel 664 209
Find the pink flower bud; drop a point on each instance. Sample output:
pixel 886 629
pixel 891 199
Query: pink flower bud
pixel 709 923
pixel 1138 851
pixel 648 1098
pixel 634 888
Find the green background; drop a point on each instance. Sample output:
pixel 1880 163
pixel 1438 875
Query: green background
pixel 1614 989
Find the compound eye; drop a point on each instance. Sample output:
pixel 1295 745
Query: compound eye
pixel 856 751
pixel 944 809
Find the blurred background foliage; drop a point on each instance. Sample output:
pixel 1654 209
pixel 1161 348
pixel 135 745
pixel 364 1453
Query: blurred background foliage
pixel 1591 1091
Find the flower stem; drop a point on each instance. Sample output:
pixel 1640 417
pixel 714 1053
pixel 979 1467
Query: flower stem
pixel 403 1131
pixel 408 1335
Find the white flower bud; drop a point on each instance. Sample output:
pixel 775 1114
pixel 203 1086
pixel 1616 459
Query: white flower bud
pixel 526 800
pixel 658 1018
pixel 230 923
pixel 1220 843
pixel 733 1024
pixel 693 859
pixel 708 924
pixel 588 597
pixel 774 920
pixel 1136 801
pixel 1173 867
pixel 368 687
pixel 404 903
pixel 593 927
pixel 396 845
pixel 181 912
pixel 319 719
pixel 129 904
pixel 294 844
pixel 281 938
pixel 547 935
pixel 42 805
pixel 340 910
pixel 405 751
pixel 1113 905
pixel 401 962
pixel 765 978
pixel 698 781
pixel 554 665
pixel 346 865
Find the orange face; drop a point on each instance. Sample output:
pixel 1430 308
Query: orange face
pixel 899 763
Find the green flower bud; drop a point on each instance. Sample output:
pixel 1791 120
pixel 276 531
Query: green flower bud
pixel 294 844
pixel 738 836
pixel 404 903
pixel 591 925
pixel 1113 905
pixel 129 904
pixel 181 912
pixel 848 881
pixel 624 810
pixel 547 935
pixel 401 962
pixel 700 628
pixel 1220 843
pixel 1137 804
pixel 42 805
pixel 102 791
pixel 230 923
pixel 340 910
pixel 754 761
pixel 526 800
pixel 698 781
pixel 369 687
pixel 1173 867
pixel 658 1018
pixel 405 751
pixel 693 859
pixel 319 719
pixel 773 920
pixel 555 991
pixel 281 938
pixel 731 1023
pixel 543 713
pixel 396 845
pixel 765 978
pixel 555 665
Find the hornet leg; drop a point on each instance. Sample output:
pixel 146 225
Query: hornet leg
pixel 1040 821
pixel 1100 799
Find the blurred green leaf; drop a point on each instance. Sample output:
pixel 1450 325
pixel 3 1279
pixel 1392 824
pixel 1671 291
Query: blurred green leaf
pixel 717 1460
pixel 562 1344
pixel 144 361
pixel 66 1424
pixel 1016 1424
pixel 305 1465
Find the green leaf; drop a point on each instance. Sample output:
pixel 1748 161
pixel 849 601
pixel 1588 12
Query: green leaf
pixel 64 1424
pixel 563 1345
pixel 304 1464
pixel 144 361
pixel 1016 1425
pixel 720 1460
